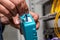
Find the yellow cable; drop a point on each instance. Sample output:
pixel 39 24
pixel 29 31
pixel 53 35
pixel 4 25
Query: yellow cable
pixel 56 8
pixel 56 20
pixel 56 25
pixel 53 6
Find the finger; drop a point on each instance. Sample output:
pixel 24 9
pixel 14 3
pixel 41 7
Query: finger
pixel 9 5
pixel 16 19
pixel 4 11
pixel 24 7
pixel 21 6
pixel 17 2
pixel 37 25
pixel 4 19
pixel 15 22
pixel 35 16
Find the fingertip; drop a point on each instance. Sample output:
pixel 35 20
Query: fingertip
pixel 34 15
pixel 16 19
pixel 37 25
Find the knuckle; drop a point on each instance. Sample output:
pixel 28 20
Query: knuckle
pixel 0 0
pixel 3 9
pixel 7 4
pixel 6 12
pixel 19 2
pixel 12 7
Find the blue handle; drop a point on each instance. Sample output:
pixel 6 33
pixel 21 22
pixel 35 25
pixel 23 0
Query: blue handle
pixel 28 26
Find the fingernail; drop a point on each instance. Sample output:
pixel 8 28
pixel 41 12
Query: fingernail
pixel 17 21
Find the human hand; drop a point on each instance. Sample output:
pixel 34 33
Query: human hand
pixel 12 9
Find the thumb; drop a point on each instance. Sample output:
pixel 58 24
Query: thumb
pixel 16 21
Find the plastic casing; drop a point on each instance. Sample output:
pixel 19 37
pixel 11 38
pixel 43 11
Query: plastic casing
pixel 28 28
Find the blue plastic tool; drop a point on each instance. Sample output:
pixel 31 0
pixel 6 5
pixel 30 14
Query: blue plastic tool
pixel 28 26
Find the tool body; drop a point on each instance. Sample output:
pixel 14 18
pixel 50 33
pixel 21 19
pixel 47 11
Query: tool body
pixel 28 26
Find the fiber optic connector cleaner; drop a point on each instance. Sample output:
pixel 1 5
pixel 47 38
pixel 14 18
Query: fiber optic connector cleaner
pixel 28 26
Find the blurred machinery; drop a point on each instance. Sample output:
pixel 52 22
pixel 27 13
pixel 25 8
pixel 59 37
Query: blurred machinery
pixel 48 30
pixel 48 20
pixel 49 33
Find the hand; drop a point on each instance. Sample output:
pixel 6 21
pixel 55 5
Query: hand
pixel 36 17
pixel 5 20
pixel 12 9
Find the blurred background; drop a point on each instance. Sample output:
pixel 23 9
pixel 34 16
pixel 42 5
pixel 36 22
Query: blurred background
pixel 45 31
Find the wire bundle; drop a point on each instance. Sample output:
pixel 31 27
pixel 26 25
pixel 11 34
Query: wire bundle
pixel 56 9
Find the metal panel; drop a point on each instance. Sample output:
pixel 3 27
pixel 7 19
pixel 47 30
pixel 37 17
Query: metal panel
pixel 36 6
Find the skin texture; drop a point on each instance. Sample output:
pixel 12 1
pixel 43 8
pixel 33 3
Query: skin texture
pixel 10 10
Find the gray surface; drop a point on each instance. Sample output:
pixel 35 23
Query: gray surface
pixel 51 23
pixel 37 8
pixel 10 33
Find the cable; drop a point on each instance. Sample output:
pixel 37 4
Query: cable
pixel 56 19
pixel 53 6
pixel 56 25
pixel 56 9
